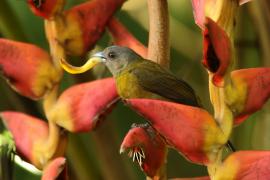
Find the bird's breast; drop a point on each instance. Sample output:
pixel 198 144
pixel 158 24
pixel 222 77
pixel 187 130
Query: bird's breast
pixel 128 87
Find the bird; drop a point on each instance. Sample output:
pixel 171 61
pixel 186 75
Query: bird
pixel 137 77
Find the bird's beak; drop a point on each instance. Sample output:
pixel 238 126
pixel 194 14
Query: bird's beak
pixel 99 55
pixel 94 60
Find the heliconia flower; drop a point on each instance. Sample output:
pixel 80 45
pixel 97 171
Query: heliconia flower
pixel 79 28
pixel 27 68
pixel 245 165
pixel 56 169
pixel 122 37
pixel 30 135
pixel 46 8
pixel 146 147
pixel 216 53
pixel 79 108
pixel 221 11
pixel 248 92
pixel 190 130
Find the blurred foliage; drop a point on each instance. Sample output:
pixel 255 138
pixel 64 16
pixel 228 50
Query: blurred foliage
pixel 7 148
pixel 17 22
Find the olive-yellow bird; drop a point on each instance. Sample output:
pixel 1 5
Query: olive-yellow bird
pixel 139 78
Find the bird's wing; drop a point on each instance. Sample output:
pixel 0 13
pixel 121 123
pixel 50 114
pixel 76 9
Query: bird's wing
pixel 152 77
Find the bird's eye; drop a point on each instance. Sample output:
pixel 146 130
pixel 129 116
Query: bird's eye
pixel 38 3
pixel 111 55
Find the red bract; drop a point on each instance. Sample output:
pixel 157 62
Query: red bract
pixel 26 130
pixel 198 12
pixel 79 28
pixel 147 147
pixel 249 91
pixel 223 12
pixel 55 170
pixel 245 165
pixel 30 135
pixel 78 109
pixel 27 68
pixel 123 37
pixel 217 52
pixel 190 130
pixel 46 8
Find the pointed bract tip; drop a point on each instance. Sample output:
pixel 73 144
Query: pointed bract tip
pixel 122 150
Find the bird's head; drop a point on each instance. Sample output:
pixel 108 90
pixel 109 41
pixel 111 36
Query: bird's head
pixel 116 58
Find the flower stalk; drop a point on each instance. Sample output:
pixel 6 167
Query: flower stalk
pixel 158 44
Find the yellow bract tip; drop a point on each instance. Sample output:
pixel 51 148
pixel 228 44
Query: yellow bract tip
pixel 77 70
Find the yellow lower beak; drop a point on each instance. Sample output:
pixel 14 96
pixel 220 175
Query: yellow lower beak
pixel 77 70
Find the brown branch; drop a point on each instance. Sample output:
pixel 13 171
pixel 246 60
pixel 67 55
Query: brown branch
pixel 158 44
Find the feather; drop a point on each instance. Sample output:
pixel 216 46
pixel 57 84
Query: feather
pixel 152 77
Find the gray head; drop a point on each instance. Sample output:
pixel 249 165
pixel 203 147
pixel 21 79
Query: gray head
pixel 116 58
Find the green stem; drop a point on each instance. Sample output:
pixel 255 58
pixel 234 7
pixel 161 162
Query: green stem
pixel 7 148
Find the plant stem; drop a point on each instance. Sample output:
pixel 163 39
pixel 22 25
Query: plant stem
pixel 54 137
pixel 56 50
pixel 222 113
pixel 158 44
